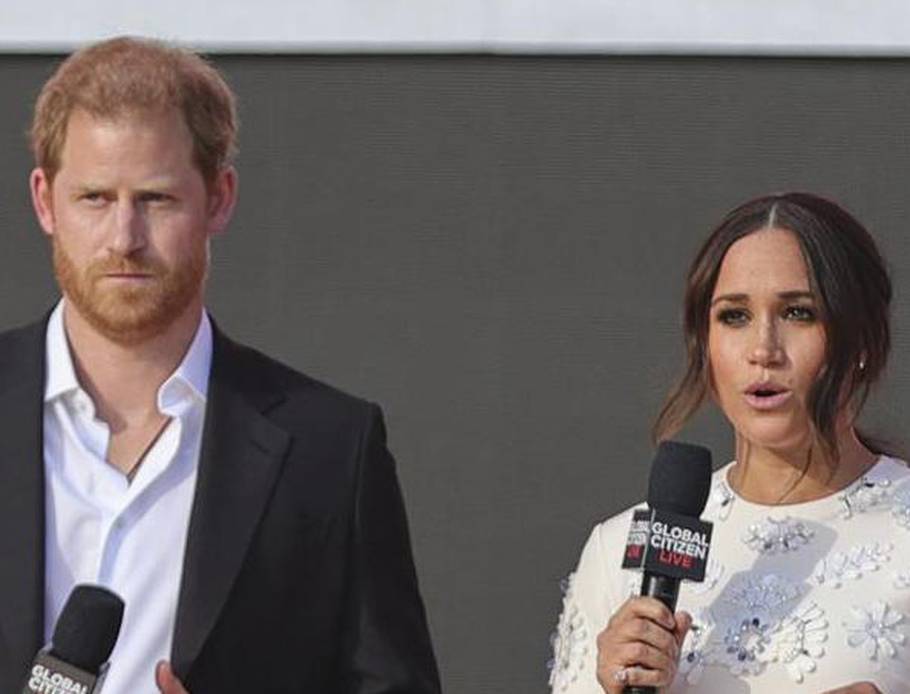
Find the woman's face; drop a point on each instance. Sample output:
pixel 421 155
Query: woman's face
pixel 766 343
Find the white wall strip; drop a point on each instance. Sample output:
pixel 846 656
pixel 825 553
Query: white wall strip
pixel 786 27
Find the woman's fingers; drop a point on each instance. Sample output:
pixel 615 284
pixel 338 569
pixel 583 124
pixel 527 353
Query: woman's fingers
pixel 648 633
pixel 649 621
pixel 640 645
pixel 616 679
pixel 683 624
pixel 646 678
pixel 646 608
pixel 645 656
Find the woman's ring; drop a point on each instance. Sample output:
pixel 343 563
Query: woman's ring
pixel 621 675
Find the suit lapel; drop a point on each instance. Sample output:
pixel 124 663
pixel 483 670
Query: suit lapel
pixel 241 455
pixel 22 511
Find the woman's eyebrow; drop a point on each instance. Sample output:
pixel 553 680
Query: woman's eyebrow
pixel 797 294
pixel 734 298
pixel 744 298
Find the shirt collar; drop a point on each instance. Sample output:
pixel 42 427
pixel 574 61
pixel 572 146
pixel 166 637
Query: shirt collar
pixel 193 370
pixel 61 376
pixel 192 373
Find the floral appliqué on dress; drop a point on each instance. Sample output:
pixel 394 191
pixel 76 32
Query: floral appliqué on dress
pixel 900 506
pixel 697 649
pixel 798 640
pixel 722 499
pixel 772 535
pixel 875 629
pixel 569 641
pixel 867 494
pixel 750 622
pixel 852 564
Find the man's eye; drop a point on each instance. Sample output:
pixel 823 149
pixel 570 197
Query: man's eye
pixel 155 198
pixel 800 313
pixel 733 316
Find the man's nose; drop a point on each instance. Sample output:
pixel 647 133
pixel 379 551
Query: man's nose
pixel 129 228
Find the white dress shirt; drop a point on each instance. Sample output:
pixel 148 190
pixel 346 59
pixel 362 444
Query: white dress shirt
pixel 129 537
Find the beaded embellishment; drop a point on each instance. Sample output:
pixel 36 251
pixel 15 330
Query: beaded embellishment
pixel 867 494
pixel 852 564
pixel 772 536
pixel 900 506
pixel 697 649
pixel 569 641
pixel 764 593
pixel 722 499
pixel 876 630
pixel 798 641
pixel 752 615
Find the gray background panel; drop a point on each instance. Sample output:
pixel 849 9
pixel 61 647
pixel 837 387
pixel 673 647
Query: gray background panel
pixel 494 249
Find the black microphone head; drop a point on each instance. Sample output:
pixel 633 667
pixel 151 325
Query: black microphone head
pixel 680 478
pixel 88 627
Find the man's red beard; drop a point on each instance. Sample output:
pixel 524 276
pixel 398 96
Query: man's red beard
pixel 129 315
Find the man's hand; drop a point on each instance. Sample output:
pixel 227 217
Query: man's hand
pixel 856 688
pixel 166 679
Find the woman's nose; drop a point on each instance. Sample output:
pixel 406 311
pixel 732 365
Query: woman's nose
pixel 767 348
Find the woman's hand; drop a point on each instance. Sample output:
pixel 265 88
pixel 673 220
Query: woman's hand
pixel 856 688
pixel 640 645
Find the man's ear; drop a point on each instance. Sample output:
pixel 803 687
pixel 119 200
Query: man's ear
pixel 222 199
pixel 42 199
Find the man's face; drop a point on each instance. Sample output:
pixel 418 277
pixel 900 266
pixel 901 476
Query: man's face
pixel 130 217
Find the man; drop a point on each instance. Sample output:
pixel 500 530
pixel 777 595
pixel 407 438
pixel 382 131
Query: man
pixel 249 516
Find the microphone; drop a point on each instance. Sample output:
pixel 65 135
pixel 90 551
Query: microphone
pixel 667 540
pixel 75 662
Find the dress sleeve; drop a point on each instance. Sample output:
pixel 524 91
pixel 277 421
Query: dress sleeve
pixel 590 595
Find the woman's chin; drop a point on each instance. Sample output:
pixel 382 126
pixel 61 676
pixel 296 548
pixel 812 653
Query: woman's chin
pixel 772 436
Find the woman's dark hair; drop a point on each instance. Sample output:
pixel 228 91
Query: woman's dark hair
pixel 846 274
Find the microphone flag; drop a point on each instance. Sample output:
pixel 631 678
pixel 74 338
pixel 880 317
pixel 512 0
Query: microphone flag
pixel 668 544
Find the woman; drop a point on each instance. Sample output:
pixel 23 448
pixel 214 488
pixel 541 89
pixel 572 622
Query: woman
pixel 808 582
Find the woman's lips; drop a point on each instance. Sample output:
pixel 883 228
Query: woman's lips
pixel 768 402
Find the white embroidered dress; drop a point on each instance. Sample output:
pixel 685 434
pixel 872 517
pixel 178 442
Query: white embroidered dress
pixel 797 598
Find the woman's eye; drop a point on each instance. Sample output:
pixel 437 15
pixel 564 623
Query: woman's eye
pixel 800 313
pixel 733 316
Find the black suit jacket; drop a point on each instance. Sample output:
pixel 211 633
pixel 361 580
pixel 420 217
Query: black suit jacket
pixel 297 576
